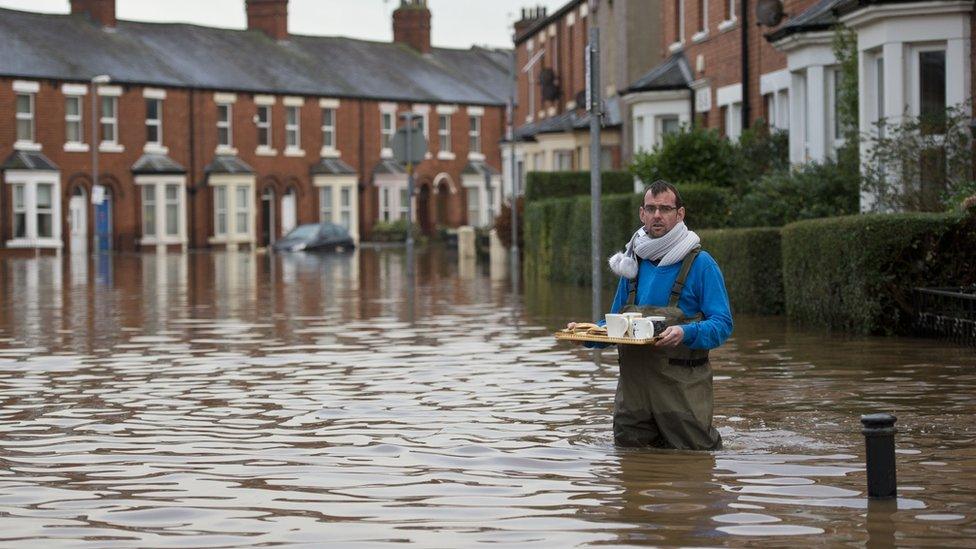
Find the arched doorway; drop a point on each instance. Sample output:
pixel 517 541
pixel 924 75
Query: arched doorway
pixel 443 191
pixel 78 221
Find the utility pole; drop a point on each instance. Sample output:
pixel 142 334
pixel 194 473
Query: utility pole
pixel 595 107
pixel 514 172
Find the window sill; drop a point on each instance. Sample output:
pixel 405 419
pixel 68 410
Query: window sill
pixel 51 243
pixel 167 240
pixel 446 155
pixel 27 146
pixel 700 37
pixel 76 147
pixel 155 148
pixel 476 157
pixel 727 24
pixel 111 148
pixel 329 152
pixel 265 151
pixel 294 153
pixel 231 239
pixel 676 47
pixel 225 150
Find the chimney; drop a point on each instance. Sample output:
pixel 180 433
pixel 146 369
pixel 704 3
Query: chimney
pixel 269 17
pixel 101 12
pixel 411 25
pixel 530 16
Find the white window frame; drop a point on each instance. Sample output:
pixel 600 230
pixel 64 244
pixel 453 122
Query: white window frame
pixel 157 145
pixel 391 205
pixel 30 117
pixel 156 185
pixel 834 140
pixel 246 210
pixel 293 129
pixel 330 149
pixel 346 207
pixel 730 17
pixel 702 33
pixel 387 113
pixel 326 204
pixel 228 124
pixel 476 145
pixel 233 235
pixel 30 180
pixel 78 119
pixel 730 97
pixel 474 212
pixel 915 73
pixel 112 94
pixel 265 102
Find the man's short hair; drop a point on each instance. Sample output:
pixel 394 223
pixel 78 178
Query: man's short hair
pixel 662 186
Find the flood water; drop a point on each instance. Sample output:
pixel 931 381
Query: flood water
pixel 235 400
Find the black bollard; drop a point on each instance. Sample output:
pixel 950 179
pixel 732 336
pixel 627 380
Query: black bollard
pixel 879 445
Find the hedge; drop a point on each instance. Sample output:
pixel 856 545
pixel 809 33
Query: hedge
pixel 543 185
pixel 750 260
pixel 856 273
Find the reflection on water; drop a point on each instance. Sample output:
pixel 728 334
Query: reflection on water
pixel 233 399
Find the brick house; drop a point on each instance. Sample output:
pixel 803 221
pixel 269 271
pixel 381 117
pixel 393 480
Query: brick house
pixel 211 137
pixel 552 125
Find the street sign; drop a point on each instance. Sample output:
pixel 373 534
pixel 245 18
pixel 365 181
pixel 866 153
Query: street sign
pixel 418 146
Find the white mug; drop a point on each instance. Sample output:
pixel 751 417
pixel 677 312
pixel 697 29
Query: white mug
pixel 617 325
pixel 643 328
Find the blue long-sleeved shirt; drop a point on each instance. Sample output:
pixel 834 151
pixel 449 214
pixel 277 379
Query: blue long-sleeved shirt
pixel 704 292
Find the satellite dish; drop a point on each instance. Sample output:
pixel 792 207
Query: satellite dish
pixel 769 12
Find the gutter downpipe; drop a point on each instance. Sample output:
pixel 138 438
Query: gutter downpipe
pixel 746 108
pixel 191 240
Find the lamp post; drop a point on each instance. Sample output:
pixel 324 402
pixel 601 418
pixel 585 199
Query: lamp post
pixel 96 188
pixel 408 118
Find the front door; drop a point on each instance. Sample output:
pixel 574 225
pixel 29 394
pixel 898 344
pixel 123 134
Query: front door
pixel 103 224
pixel 267 218
pixel 423 210
pixel 78 222
pixel 288 217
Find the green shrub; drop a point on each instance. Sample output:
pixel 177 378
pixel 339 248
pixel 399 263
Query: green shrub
pixel 856 273
pixel 705 207
pixel 811 191
pixel 503 224
pixel 393 231
pixel 692 155
pixel 760 152
pixel 544 185
pixel 751 262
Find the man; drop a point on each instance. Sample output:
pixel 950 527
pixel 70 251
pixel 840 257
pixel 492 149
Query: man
pixel 664 393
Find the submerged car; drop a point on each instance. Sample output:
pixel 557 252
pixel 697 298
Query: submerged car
pixel 315 237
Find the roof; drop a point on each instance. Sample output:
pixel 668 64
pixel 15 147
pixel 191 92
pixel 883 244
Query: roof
pixel 818 17
pixel 73 48
pixel 156 164
pixel 228 165
pixel 479 168
pixel 332 166
pixel 28 160
pixel 570 121
pixel 388 166
pixel 672 74
pixel 542 23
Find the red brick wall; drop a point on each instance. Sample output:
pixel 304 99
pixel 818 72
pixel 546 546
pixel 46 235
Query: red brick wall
pixel 722 49
pixel 190 133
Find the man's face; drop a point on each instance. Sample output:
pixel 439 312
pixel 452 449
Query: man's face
pixel 659 213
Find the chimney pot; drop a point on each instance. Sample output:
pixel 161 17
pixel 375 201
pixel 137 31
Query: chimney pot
pixel 411 25
pixel 101 12
pixel 269 17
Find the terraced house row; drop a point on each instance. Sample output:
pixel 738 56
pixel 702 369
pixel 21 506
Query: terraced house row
pixel 207 137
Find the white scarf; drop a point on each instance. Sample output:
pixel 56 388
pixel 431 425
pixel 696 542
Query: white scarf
pixel 669 249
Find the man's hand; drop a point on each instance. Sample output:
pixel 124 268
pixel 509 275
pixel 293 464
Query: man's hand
pixel 570 325
pixel 672 336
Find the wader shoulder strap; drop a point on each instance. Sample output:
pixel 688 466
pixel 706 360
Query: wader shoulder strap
pixel 632 289
pixel 679 283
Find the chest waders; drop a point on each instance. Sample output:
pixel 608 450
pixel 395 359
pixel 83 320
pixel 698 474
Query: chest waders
pixel 664 394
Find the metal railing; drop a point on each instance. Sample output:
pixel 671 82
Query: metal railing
pixel 947 312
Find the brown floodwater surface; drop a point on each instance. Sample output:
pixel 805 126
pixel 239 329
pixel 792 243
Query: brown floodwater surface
pixel 236 399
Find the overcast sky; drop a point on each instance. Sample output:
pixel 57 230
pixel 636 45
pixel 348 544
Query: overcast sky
pixel 454 23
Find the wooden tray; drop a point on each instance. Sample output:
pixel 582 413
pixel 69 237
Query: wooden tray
pixel 564 335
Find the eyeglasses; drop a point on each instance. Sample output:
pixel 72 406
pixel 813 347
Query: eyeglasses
pixel 652 209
